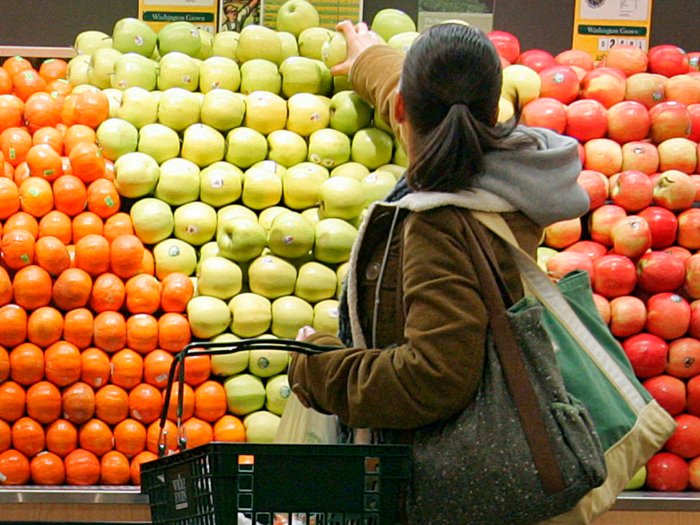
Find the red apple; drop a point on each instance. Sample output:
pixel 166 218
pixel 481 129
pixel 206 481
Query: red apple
pixel 536 59
pixel 596 185
pixel 667 472
pixel 545 113
pixel 654 177
pixel 586 120
pixel 668 391
pixel 580 73
pixel 680 253
pixel 674 190
pixel 669 120
pixel 575 57
pixel 659 271
pixel 614 275
pixel 693 395
pixel 640 156
pixel 631 190
pixel 604 85
pixel 668 61
pixel 628 121
pixel 558 265
pixel 692 276
pixel 602 220
pixel 631 236
pixel 627 58
pixel 647 354
pixel 627 316
pixel 694 110
pixel 506 44
pixel 678 154
pixel 581 153
pixel 694 328
pixel 694 61
pixel 663 224
pixel 603 155
pixel 592 249
pixel 694 472
pixel 559 82
pixel 684 89
pixel 689 229
pixel 646 88
pixel 562 233
pixel 685 441
pixel 668 315
pixel 696 180
pixel 683 358
pixel 504 62
pixel 603 307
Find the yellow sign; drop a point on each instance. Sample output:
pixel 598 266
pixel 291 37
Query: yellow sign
pixel 330 12
pixel 601 24
pixel 202 13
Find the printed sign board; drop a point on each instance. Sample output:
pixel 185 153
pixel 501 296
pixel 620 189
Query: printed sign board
pixel 202 13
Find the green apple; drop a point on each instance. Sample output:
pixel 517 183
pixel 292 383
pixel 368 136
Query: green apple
pixel 372 147
pixel 268 363
pixel 296 15
pixel 315 282
pixel 174 255
pixel 225 365
pixel 116 137
pixel 342 198
pixel 131 35
pixel 208 249
pixel 301 185
pixel 207 49
pixel 134 70
pixel 159 142
pixel 101 67
pixel 270 214
pixel 260 75
pixel 219 72
pixel 326 316
pixel 114 97
pixel 87 42
pixel 329 147
pixel 379 123
pixel 195 223
pixel 138 107
pixel 272 166
pixel 506 110
pixel 334 240
pixel 178 108
pixel 225 43
pixel 342 273
pixel 261 189
pixel 178 70
pixel 300 75
pixel 520 80
pixel 311 41
pixel 289 45
pixel 179 182
pixel 395 169
pixel 245 393
pixel 261 426
pixel 246 147
pixel 220 184
pixel 389 22
pixel 153 220
pixel 222 109
pixel 290 235
pixel 77 72
pixel 326 78
pixel 135 175
pixel 307 113
pixel 289 314
pixel 241 239
pixel 638 480
pixel 251 314
pixel 257 41
pixel 234 210
pixel 286 147
pixel 312 215
pixel 208 316
pixel 335 50
pixel 377 185
pixel 277 393
pixel 179 36
pixel 265 112
pixel 271 277
pixel 349 113
pixel 341 83
pixel 400 157
pixel 219 277
pixel 353 170
pixel 203 145
pixel 403 41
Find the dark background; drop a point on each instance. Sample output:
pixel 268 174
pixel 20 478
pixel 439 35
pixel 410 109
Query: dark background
pixel 543 24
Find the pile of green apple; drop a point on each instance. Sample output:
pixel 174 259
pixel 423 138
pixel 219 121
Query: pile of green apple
pixel 247 166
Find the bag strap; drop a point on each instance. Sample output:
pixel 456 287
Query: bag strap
pixel 512 362
pixel 542 287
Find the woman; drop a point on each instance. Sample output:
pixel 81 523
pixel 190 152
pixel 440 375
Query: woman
pixel 415 321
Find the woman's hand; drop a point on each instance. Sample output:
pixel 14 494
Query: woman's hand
pixel 358 38
pixel 304 332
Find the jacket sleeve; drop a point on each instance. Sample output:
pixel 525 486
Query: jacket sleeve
pixel 436 373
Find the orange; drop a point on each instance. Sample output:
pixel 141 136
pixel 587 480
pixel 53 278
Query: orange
pixel 72 289
pixel 68 109
pixel 111 404
pixel 92 254
pixel 6 291
pixel 6 170
pixel 42 110
pixel 69 195
pixel 4 364
pixel 14 64
pixel 14 144
pixel 127 369
pixel 75 135
pixel 59 88
pixel 27 364
pixel 170 437
pixel 86 223
pixel 96 436
pixel 230 429
pixel 44 402
pixel 44 162
pixel 47 469
pixel 44 326
pixel 17 248
pixel 21 173
pixel 126 255
pixel 148 266
pixel 78 327
pixel 62 363
pixel 156 367
pixel 177 290
pixel 173 332
pixel 78 403
pixel 67 168
pixel 13 320
pixel 5 436
pixel 108 293
pixel 28 82
pixel 142 333
pixel 5 83
pixel 32 287
pixel 110 331
pixel 130 437
pixel 53 69
pixel 28 436
pixel 91 108
pixel 144 457
pixel 11 112
pixel 22 221
pixel 61 437
pixel 87 162
pixel 142 294
pixel 118 224
pixel 13 400
pixel 95 368
pixel 9 198
pixel 15 468
pixel 109 170
pixel 197 369
pixel 103 198
pixel 198 432
pixel 145 403
pixel 210 401
pixel 56 224
pixel 52 255
pixel 187 404
pixel 36 197
pixel 82 468
pixel 115 469
pixel 51 136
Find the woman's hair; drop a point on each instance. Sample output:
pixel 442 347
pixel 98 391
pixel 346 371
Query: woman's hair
pixel 451 86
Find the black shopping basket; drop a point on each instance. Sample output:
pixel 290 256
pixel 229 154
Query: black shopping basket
pixel 272 484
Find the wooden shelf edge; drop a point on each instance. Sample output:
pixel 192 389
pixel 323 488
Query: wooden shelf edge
pixel 37 52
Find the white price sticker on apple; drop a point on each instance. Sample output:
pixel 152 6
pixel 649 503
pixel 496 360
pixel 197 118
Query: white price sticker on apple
pixel 606 43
